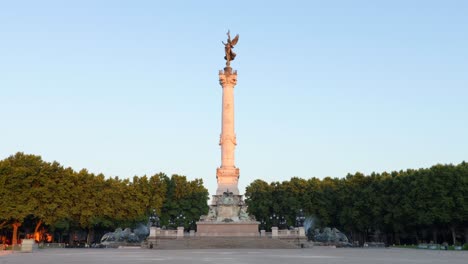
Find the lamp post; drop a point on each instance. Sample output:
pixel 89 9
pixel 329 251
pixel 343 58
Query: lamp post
pixel 274 219
pixel 192 225
pixel 282 222
pixel 300 218
pixel 154 219
pixel 172 223
pixel 180 219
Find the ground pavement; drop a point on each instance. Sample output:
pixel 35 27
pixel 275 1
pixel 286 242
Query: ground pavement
pixel 314 255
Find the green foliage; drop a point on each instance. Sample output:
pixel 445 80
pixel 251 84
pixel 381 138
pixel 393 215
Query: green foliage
pixel 411 205
pixel 407 204
pixel 184 198
pixel 62 199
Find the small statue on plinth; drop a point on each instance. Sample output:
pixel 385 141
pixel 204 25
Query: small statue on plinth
pixel 230 55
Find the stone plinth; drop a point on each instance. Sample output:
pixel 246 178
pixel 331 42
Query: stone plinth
pixel 155 231
pixel 302 232
pixel 28 245
pixel 227 217
pixel 180 232
pixel 274 232
pixel 232 229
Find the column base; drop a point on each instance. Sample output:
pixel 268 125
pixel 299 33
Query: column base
pixel 227 180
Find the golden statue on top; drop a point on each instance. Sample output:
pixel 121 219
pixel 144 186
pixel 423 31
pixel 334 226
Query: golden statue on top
pixel 230 55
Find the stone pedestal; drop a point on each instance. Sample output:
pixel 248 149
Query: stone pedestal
pixel 262 233
pixel 220 229
pixel 274 232
pixel 154 231
pixel 228 217
pixel 28 245
pixel 301 232
pixel 180 232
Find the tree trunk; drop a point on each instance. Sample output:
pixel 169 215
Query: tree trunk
pixel 466 235
pixel 2 224
pixel 454 234
pixel 386 239
pixel 14 239
pixel 89 236
pixel 36 230
pixel 434 236
pixel 397 238
pixel 70 237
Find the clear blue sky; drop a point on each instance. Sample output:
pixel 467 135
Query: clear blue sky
pixel 324 87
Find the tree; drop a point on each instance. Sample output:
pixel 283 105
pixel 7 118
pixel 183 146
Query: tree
pixel 18 173
pixel 186 198
pixel 258 197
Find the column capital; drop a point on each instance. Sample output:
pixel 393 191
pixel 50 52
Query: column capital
pixel 227 77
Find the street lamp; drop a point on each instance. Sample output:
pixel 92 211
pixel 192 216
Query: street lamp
pixel 282 222
pixel 300 218
pixel 171 223
pixel 192 225
pixel 180 219
pixel 274 219
pixel 154 219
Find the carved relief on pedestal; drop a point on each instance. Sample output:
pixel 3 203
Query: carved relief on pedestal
pixel 227 207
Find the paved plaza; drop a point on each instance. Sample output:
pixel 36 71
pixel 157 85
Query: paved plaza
pixel 317 255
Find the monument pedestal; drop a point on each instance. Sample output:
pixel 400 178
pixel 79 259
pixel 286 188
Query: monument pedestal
pixel 233 229
pixel 227 217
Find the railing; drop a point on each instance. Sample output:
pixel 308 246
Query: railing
pixel 283 233
pixel 288 233
pixel 51 245
pixel 167 233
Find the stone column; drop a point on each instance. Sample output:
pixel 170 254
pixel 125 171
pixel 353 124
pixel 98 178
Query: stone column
pixel 227 174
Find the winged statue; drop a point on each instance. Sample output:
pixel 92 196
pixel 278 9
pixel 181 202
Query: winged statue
pixel 230 55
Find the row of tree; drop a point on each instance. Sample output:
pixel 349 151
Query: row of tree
pixel 38 196
pixel 398 207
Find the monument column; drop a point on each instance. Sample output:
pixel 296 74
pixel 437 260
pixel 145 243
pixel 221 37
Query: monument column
pixel 227 175
pixel 228 215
